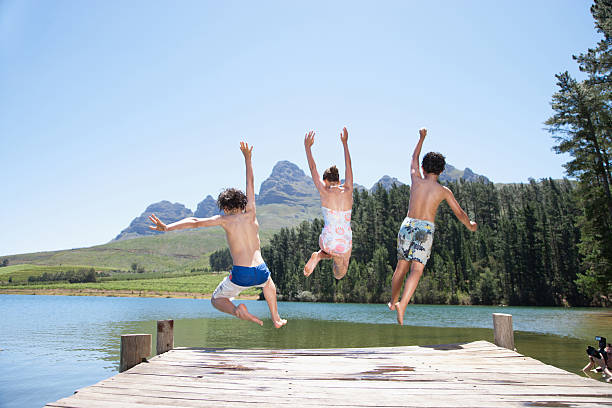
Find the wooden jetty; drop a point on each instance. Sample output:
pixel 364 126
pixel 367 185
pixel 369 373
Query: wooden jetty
pixel 477 374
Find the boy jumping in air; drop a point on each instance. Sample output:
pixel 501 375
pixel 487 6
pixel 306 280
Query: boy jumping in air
pixel 416 233
pixel 242 232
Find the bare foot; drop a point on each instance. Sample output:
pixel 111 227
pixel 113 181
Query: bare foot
pixel 391 305
pixel 278 323
pixel 400 313
pixel 243 313
pixel 311 264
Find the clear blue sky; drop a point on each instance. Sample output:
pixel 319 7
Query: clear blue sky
pixel 109 106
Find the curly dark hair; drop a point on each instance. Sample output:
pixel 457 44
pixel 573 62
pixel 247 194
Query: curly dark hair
pixel 331 174
pixel 231 199
pixel 434 162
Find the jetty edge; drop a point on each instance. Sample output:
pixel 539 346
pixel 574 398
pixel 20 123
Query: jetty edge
pixel 475 374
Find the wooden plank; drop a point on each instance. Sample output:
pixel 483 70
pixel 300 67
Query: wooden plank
pixel 212 383
pixel 475 374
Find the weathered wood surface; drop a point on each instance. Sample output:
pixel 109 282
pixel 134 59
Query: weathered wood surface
pixel 477 374
pixel 135 348
pixel 502 330
pixel 165 336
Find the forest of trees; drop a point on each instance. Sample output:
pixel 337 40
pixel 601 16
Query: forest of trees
pixel 524 252
pixel 582 127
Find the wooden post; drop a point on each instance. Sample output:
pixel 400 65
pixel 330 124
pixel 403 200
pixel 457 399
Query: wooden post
pixel 165 335
pixel 135 348
pixel 502 330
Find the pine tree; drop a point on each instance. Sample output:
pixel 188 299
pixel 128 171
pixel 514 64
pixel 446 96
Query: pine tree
pixel 582 126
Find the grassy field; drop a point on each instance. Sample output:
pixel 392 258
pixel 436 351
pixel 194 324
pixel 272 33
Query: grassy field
pixel 174 262
pixel 170 252
pixel 20 273
pixel 203 284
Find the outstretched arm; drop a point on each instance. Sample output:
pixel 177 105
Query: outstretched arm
pixel 459 213
pixel 308 142
pixel 185 223
pixel 348 167
pixel 415 169
pixel 250 188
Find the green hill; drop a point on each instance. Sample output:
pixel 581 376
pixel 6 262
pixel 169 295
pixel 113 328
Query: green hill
pixel 172 251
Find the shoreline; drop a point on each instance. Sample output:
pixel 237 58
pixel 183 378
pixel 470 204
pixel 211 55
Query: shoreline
pixel 115 293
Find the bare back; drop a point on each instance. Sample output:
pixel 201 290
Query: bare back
pixel 242 231
pixel 426 193
pixel 425 197
pixel 336 197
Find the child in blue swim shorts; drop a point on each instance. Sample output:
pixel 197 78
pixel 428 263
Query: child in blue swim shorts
pixel 242 233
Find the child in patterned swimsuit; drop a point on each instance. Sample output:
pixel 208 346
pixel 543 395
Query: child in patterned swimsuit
pixel 336 239
pixel 416 233
pixel 242 232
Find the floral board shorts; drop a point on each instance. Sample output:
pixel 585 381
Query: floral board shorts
pixel 414 240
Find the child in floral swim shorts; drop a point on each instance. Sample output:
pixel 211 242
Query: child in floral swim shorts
pixel 415 236
pixel 414 240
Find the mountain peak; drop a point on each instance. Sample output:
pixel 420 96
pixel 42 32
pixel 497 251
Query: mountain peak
pixel 207 208
pixel 386 182
pixel 287 184
pixel 165 210
pixel 287 170
pixel 452 173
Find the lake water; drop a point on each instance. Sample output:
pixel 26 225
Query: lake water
pixel 53 345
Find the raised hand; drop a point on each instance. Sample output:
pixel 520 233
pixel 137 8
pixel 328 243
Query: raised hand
pixel 422 132
pixel 344 135
pixel 309 139
pixel 159 226
pixel 244 148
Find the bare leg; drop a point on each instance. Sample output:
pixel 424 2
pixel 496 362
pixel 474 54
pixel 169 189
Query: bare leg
pixel 226 306
pixel 396 283
pixel 314 260
pixel 416 270
pixel 269 292
pixel 588 366
pixel 341 263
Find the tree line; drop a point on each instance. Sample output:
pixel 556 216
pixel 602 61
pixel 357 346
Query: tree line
pixel 82 275
pixel 525 251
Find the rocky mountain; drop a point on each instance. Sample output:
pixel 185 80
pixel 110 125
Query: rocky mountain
pixel 165 210
pixel 452 173
pixel 386 182
pixel 287 186
pixel 207 208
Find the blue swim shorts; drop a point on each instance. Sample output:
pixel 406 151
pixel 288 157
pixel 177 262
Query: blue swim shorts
pixel 249 275
pixel 241 278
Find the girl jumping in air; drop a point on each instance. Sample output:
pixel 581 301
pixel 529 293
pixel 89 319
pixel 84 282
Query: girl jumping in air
pixel 336 239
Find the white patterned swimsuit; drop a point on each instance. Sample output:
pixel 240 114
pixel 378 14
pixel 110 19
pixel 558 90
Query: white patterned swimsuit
pixel 337 236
